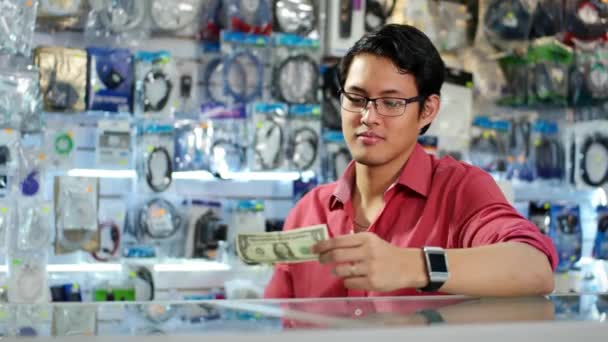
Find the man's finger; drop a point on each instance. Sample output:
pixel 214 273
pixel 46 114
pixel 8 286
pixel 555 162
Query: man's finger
pixel 339 255
pixel 350 270
pixel 343 241
pixel 357 283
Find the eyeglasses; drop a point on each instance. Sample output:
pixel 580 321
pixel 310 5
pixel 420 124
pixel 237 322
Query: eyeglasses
pixel 386 106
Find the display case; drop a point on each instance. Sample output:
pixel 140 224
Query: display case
pixel 559 317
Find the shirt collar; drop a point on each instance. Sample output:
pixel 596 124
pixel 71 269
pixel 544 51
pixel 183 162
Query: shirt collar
pixel 415 175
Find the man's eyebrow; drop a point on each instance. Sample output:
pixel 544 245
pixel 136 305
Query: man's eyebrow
pixel 357 89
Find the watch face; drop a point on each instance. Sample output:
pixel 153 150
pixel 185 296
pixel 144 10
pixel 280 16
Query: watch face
pixel 438 263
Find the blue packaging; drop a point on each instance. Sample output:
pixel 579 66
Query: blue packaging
pixel 600 246
pixel 110 81
pixel 566 233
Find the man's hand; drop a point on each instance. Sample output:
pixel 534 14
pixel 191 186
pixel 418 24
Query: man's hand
pixel 366 262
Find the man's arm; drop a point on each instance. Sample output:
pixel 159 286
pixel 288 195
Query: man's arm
pixel 367 262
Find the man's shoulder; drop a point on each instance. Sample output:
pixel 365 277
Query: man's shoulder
pixel 455 173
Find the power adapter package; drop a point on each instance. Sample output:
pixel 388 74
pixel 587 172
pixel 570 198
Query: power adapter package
pixel 114 144
pixel 76 214
pixel 206 229
pixel 63 78
pixel 110 86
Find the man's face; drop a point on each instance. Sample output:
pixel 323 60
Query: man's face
pixel 374 139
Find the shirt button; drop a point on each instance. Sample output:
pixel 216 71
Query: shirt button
pixel 358 312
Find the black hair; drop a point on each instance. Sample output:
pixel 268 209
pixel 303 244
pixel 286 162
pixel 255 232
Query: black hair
pixel 410 50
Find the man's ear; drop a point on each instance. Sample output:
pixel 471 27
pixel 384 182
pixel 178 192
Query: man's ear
pixel 429 111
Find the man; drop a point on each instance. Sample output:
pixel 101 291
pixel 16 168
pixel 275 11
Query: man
pixel 394 200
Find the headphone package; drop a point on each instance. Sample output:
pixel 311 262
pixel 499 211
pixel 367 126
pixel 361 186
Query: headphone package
pixel 156 87
pixel 566 233
pixel 110 86
pixel 155 224
pixel 192 145
pixel 206 229
pixel 270 136
pixel 229 137
pixel 20 102
pixel 76 214
pixel 295 76
pixel 63 78
pixel 336 155
pixel 121 22
pixel 156 156
pixel 60 142
pixel 177 18
pixel 548 152
pixel 27 279
pixel 304 137
pixel 9 159
pixel 61 15
pixel 549 67
pixel 586 20
pixel 548 19
pixel 591 151
pixel 249 16
pixel 246 68
pixel 33 229
pixel 30 178
pixel 17 31
pixel 114 144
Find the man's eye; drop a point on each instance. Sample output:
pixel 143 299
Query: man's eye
pixel 357 101
pixel 391 103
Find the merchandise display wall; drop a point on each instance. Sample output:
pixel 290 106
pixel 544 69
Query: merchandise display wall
pixel 138 137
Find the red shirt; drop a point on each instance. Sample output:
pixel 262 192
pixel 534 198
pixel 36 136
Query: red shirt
pixel 435 202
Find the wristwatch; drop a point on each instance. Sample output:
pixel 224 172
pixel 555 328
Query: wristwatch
pixel 436 268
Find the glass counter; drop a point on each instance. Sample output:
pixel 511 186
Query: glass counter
pixel 563 315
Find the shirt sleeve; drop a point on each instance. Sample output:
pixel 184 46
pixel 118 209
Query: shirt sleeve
pixel 484 217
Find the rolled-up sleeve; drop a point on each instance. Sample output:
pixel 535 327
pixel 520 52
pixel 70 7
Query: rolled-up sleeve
pixel 484 217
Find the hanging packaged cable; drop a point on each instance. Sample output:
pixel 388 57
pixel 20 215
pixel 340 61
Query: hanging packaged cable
pixel 295 16
pixel 600 246
pixel 228 126
pixel 270 136
pixel 506 22
pixel 158 219
pixel 303 148
pixel 106 253
pixel 594 161
pixel 156 79
pixel 208 231
pixel 159 171
pixel 296 78
pixel 331 115
pixel 586 19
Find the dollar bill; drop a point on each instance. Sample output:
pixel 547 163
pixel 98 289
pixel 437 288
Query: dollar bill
pixel 290 246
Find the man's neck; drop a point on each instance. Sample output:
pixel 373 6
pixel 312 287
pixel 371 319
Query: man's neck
pixel 371 182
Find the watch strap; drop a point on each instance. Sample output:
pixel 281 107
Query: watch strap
pixel 432 316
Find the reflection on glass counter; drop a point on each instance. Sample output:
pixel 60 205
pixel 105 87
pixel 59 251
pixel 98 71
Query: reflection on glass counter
pixel 263 316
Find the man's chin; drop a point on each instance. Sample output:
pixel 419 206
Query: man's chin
pixel 369 160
